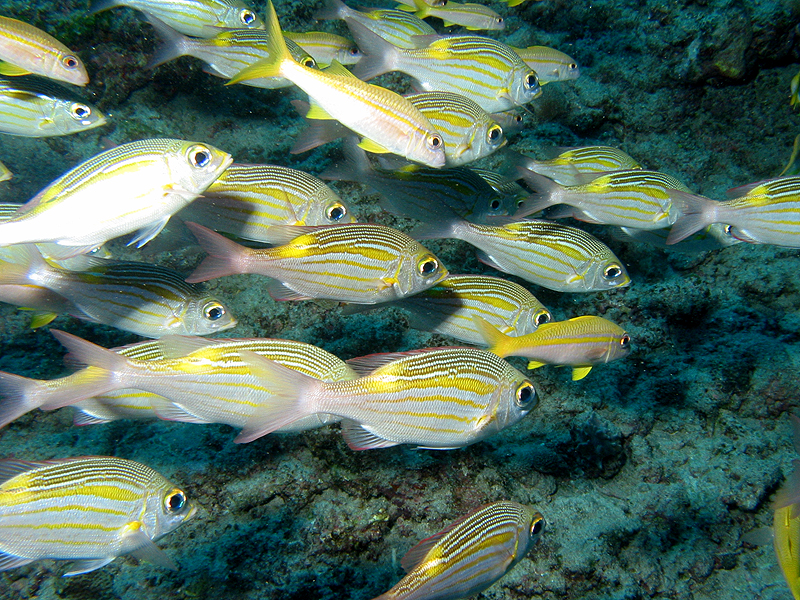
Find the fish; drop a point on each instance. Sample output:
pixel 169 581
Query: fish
pixel 88 510
pixel 133 187
pixel 468 131
pixel 713 237
pixel 480 68
pixel 570 163
pixel 512 121
pixel 469 555
pixel 503 186
pixel 197 18
pixel 550 64
pixel 395 26
pixel 786 521
pixel 794 87
pixel 639 199
pixel 5 173
pixel 581 343
pixel 361 263
pixel 449 307
pixel 428 2
pixel 473 17
pixel 203 402
pixel 246 200
pixel 408 191
pixel 143 298
pixel 380 115
pixel 438 398
pixel 27 49
pixel 792 167
pixel 765 212
pixel 31 107
pixel 226 53
pixel 326 47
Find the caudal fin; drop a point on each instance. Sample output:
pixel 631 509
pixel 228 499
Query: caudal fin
pixel 276 48
pixel 174 43
pixel 696 213
pixel 224 256
pixel 494 338
pixel 547 192
pixel 379 56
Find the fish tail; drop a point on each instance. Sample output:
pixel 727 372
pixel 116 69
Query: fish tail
pixel 289 397
pixel 789 493
pixel 334 9
pixel 84 352
pixel 422 10
pixel 26 262
pixel 547 192
pixel 224 256
pixel 355 167
pixel 276 49
pixel 19 395
pixel 318 131
pixel 173 43
pixel 696 212
pixel 378 55
pixel 494 338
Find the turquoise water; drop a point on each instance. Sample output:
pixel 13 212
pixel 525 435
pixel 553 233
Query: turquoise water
pixel 648 471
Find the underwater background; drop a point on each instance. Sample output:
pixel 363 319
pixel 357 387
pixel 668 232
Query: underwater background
pixel 648 472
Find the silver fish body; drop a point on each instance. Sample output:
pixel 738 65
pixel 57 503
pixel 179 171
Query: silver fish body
pixel 31 108
pixel 473 17
pixel 470 555
pixel 88 510
pixel 569 165
pixel 135 186
pixel 395 26
pixel 550 64
pixel 326 47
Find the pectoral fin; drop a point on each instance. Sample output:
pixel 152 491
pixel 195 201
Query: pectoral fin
pixel 579 373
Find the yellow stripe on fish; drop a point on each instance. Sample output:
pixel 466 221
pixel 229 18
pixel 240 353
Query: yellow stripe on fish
pixel 580 343
pixel 326 48
pixel 88 510
pixel 550 64
pixel 27 49
pixel 198 18
pixel 249 199
pixel 569 164
pixel 395 26
pixel 470 555
pixel 469 15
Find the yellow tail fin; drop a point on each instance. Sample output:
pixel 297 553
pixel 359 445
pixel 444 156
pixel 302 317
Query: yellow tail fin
pixel 278 53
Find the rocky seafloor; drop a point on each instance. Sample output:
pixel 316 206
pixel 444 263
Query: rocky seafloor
pixel 648 472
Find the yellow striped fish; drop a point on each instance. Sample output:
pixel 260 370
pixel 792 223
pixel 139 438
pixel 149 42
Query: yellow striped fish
pixel 766 212
pixel 436 398
pixel 145 299
pixel 570 163
pixel 5 174
pixel 26 49
pixel 512 121
pixel 713 237
pixel 473 17
pixel 502 185
pixel 198 18
pixel 225 54
pixel 450 307
pixel 88 510
pixel 470 555
pixel 786 521
pixel 482 69
pixel 135 186
pixel 30 107
pixel 378 114
pixel 554 256
pixel 249 199
pixel 550 64
pixel 638 199
pixel 581 343
pixel 395 26
pixel 205 399
pixel 361 263
pixel 326 47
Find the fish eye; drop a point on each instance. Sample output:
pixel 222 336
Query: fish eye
pixel 625 341
pixel 495 133
pixel 213 311
pixel 531 80
pixel 541 317
pixel 336 212
pixel 537 526
pixel 729 230
pixel 517 118
pixel 247 16
pixel 309 62
pixel 434 141
pixel 354 51
pixel 80 111
pixel 499 20
pixel 495 204
pixel 428 266
pixel 572 66
pixel 70 62
pixel 526 395
pixel 175 501
pixel 199 156
pixel 612 271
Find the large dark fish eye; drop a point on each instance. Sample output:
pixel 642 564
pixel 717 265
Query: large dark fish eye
pixel 213 311
pixel 309 62
pixel 531 80
pixel 612 271
pixel 354 51
pixel 495 133
pixel 499 20
pixel 175 501
pixel 495 204
pixel 625 341
pixel 247 16
pixel 526 395
pixel 199 156
pixel 428 266
pixel 435 141
pixel 537 526
pixel 70 62
pixel 80 111
pixel 336 212
pixel 541 317
pixel 572 66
